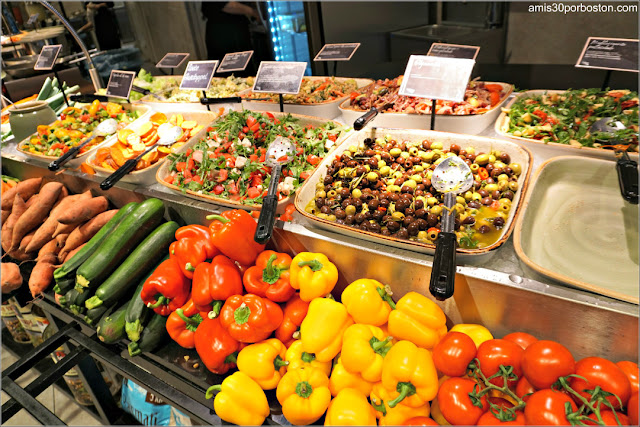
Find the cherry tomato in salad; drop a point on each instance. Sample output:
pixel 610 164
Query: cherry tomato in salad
pixel 547 408
pixel 453 353
pixel 456 405
pixel 496 352
pixel 523 339
pixel 488 419
pixel 544 361
pixel 631 371
pixel 601 372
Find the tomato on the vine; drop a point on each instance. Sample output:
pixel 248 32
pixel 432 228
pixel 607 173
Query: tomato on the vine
pixel 496 352
pixel 604 373
pixel 631 371
pixel 544 361
pixel 609 419
pixel 453 353
pixel 547 408
pixel 488 419
pixel 523 339
pixel 456 405
pixel 524 388
pixel 420 421
pixel 632 409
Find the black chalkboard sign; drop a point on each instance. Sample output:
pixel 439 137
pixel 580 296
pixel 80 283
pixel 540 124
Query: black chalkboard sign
pixel 446 50
pixel 172 60
pixel 609 54
pixel 198 75
pixel 279 77
pixel 120 83
pixel 236 61
pixel 434 77
pixel 337 52
pixel 48 56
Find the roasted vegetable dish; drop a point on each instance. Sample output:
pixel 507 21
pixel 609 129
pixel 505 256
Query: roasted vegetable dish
pixel 479 98
pixel 565 118
pixel 384 186
pixel 229 162
pixel 314 91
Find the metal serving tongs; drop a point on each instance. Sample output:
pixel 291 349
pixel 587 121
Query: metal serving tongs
pixel 104 128
pixel 451 177
pixel 280 152
pixel 147 92
pixel 627 168
pixel 168 135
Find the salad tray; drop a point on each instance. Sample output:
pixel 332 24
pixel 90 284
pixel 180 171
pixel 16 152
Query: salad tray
pixel 147 175
pixel 471 124
pixel 576 228
pixel 164 170
pixel 325 110
pixel 144 112
pixel 518 154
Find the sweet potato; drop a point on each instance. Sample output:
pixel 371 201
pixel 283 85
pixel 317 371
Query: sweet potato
pixel 7 228
pixel 26 240
pixel 42 274
pixel 50 248
pixel 19 255
pixel 32 200
pixel 84 211
pixel 64 229
pixel 5 215
pixel 36 213
pixel 87 230
pixel 11 277
pixel 69 255
pixel 26 188
pixel 60 240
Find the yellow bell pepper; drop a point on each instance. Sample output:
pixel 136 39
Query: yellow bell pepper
pixel 298 358
pixel 321 331
pixel 409 374
pixel 240 400
pixel 478 333
pixel 113 108
pixel 397 415
pixel 368 301
pixel 313 274
pixel 342 379
pixel 363 349
pixel 417 319
pixel 93 108
pixel 264 362
pixel 304 395
pixel 350 408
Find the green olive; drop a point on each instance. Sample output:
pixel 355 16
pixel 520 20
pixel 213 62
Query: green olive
pixel 385 170
pixel 321 194
pixel 395 152
pixel 461 200
pixel 429 174
pixel 504 207
pixel 492 158
pixel 322 215
pixel 470 150
pixel 309 209
pixel 503 177
pixel 491 187
pixel 468 196
pixel 356 193
pixel 423 155
pixel 347 153
pixel 417 178
pixel 436 145
pixel 476 196
pixel 319 185
pixel 393 188
pixel 474 167
pixel 431 201
pixel 505 201
pixel 350 210
pixel 499 165
pixel 353 148
pixel 436 210
pixel 372 177
pixel 342 173
pixel 378 156
pixel 422 236
pixel 503 185
pixel 331 193
pixel 397 216
pixel 397 174
pixel 410 183
pixel 516 168
pixel 418 168
pixel 482 222
pixel 331 218
pixel 381 164
pixel 513 186
pixel 428 157
pixel 413 150
pixel 482 159
pixel 459 208
pixel 405 155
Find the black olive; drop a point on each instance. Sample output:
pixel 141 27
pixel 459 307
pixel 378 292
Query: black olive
pixel 344 192
pixel 345 203
pixel 489 180
pixel 319 202
pixel 483 193
pixel 369 141
pixel 364 226
pixel 338 165
pixel 413 228
pixel 495 194
pixel 387 218
pixel 496 172
pixel 420 187
pixel 469 162
pixel 359 217
pixel 469 220
pixel 408 164
pixel 377 215
pixel 484 229
pixel 426 182
pixel 400 160
pixel 456 223
pixel 489 167
pixel 328 179
pixel 369 153
pixel 419 204
pixel 505 158
pixel 360 170
pixel 352 163
pixel 374 227
pixel 471 157
pixel 373 163
pixel 407 220
pixel 385 232
pixel 508 195
pixel 325 210
pixel 349 219
pixel 401 205
pixel 331 171
pixel 394 197
pixel 476 184
pixel 487 201
pixel 415 160
pixel 420 213
pixel 455 148
pixel 340 221
pixel 384 202
pixel 385 156
pixel 402 233
pixel 426 144
pixel 373 204
pixel 432 220
pixel 358 204
pixel 407 189
pixel 422 224
pixel 367 215
pixel 409 212
pixel 393 226
pixel 340 213
pixel 474 204
pixel 498 222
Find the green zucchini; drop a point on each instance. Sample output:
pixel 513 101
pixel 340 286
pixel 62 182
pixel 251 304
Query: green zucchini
pixel 111 326
pixel 152 336
pixel 93 316
pixel 140 261
pixel 45 90
pixel 69 298
pixel 64 286
pixel 69 268
pixel 119 244
pixel 77 307
pixel 138 312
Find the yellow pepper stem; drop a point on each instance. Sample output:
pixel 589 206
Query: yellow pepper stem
pixel 307 357
pixel 313 264
pixel 379 407
pixel 385 293
pixel 211 390
pixel 381 347
pixel 279 363
pixel 405 389
pixel 304 389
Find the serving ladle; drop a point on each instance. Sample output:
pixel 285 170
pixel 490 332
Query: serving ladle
pixel 104 128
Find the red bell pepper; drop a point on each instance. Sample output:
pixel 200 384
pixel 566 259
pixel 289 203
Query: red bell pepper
pixel 232 233
pixel 182 324
pixel 214 282
pixel 269 278
pixel 294 313
pixel 193 245
pixel 216 348
pixel 167 289
pixel 250 318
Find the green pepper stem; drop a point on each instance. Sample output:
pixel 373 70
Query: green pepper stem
pixel 189 267
pixel 218 218
pixel 307 357
pixel 296 335
pixel 161 300
pixel 215 309
pixel 271 274
pixel 405 389
pixel 379 407
pixel 232 358
pixel 385 293
pixel 189 321
pixel 211 390
pixel 304 389
pixel 313 264
pixel 241 314
pixel 381 347
pixel 279 363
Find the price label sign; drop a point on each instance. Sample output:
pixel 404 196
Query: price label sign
pixel 172 60
pixel 279 77
pixel 120 83
pixel 32 19
pixel 609 54
pixel 446 50
pixel 198 75
pixel 436 78
pixel 337 52
pixel 236 61
pixel 48 56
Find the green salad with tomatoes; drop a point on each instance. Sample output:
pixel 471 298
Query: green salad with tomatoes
pixel 229 162
pixel 565 118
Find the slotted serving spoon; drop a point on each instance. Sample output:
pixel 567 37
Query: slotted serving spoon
pixel 280 152
pixel 168 135
pixel 104 128
pixel 451 177
pixel 627 168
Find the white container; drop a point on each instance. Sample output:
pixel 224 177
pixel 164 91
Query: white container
pixel 471 124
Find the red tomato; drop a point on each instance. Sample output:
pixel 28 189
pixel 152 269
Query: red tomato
pixel 632 409
pixel 609 419
pixel 488 419
pixel 313 159
pixel 523 388
pixel 604 373
pixel 251 121
pixel 420 421
pixel 218 189
pixel 631 371
pixel 253 192
pixel 223 174
pixel 544 361
pixel 496 352
pixel 455 403
pixel 304 175
pixel 453 353
pixel 547 408
pixel 523 339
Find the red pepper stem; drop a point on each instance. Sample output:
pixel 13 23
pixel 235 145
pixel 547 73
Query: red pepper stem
pixel 405 389
pixel 241 314
pixel 189 267
pixel 215 309
pixel 385 293
pixel 313 264
pixel 271 274
pixel 218 218
pixel 232 358
pixel 211 390
pixel 190 321
pixel 296 335
pixel 161 300
pixel 279 363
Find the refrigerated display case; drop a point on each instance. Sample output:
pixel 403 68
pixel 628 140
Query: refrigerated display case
pixel 288 30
